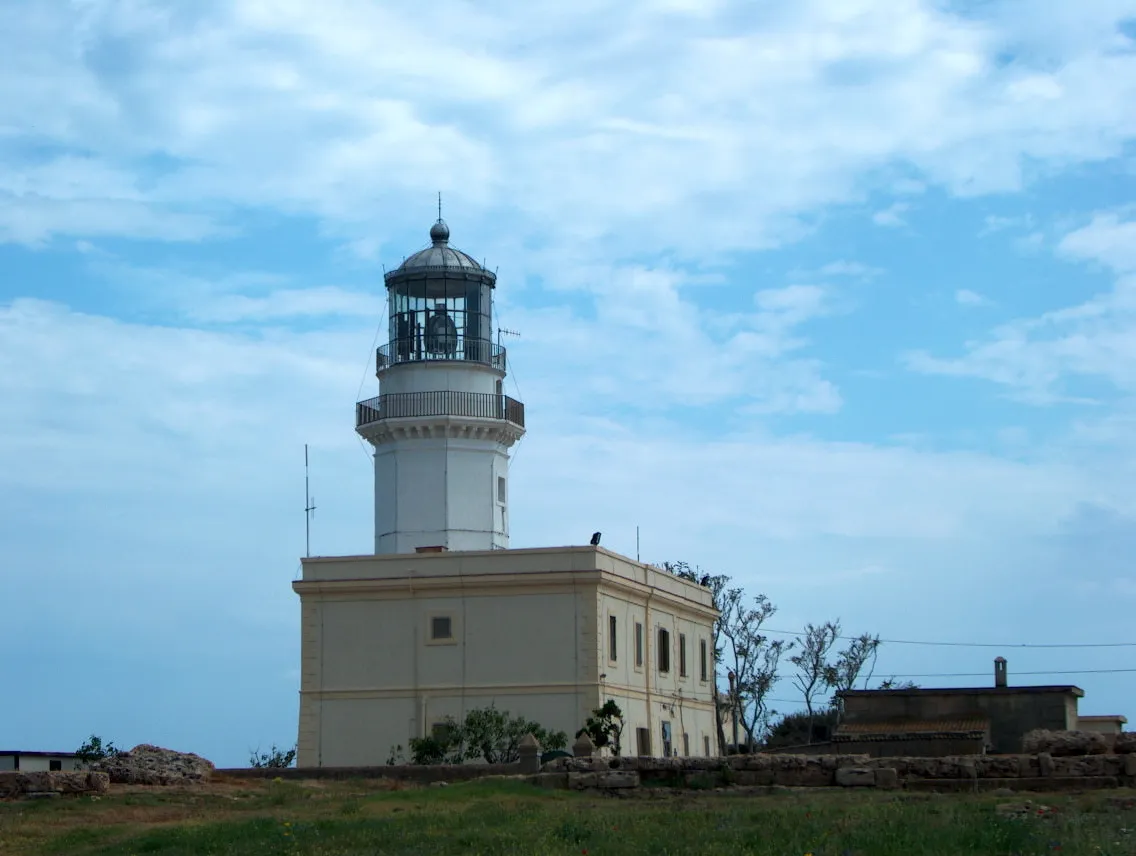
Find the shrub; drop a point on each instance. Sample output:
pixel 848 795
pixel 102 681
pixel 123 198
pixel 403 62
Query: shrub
pixel 488 733
pixel 94 750
pixel 605 727
pixel 272 758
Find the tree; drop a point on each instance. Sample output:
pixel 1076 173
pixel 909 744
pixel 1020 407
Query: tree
pixel 892 684
pixel 753 659
pixel 845 671
pixel 813 669
pixel 605 727
pixel 794 729
pixel 94 750
pixel 273 758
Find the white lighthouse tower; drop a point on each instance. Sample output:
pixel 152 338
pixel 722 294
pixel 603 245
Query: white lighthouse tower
pixel 441 425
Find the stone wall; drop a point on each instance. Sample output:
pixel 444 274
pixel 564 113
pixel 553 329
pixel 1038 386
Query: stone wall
pixel 52 784
pixel 1017 772
pixel 403 772
pixel 932 747
pixel 1079 742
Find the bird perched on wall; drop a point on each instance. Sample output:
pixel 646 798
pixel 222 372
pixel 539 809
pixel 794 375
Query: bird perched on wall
pixel 705 581
pixel 595 539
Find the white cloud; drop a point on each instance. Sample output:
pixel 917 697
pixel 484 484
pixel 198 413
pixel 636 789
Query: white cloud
pixel 670 351
pixel 891 216
pixel 994 223
pixel 1041 359
pixel 847 268
pixel 565 113
pixel 966 297
pixel 1107 239
pixel 192 411
pixel 291 303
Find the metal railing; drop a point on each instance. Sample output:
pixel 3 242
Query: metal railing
pixel 415 350
pixel 402 405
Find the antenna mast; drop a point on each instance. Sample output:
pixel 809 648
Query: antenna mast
pixel 502 331
pixel 309 507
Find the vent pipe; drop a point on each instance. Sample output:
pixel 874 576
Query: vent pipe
pixel 999 671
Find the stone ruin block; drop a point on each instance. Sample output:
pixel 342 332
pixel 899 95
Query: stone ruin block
pixel 1087 765
pixel 998 766
pixel 855 777
pixel 610 780
pixel 1060 743
pixel 15 784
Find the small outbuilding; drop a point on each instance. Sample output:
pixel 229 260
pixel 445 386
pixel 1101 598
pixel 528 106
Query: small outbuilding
pixel 39 762
pixel 954 721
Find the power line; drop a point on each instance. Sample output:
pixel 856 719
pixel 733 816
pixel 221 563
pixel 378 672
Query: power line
pixel 975 675
pixel 985 674
pixel 800 635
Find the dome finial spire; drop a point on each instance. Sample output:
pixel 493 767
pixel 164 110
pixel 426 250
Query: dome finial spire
pixel 440 232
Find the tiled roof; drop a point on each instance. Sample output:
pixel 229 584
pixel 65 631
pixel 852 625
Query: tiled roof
pixel 937 728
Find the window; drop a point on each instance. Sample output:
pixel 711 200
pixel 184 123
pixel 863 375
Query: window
pixel 685 745
pixel 54 765
pixel 500 488
pixel 441 627
pixel 682 654
pixel 638 645
pixel 643 741
pixel 612 650
pixel 664 650
pixel 667 751
pixel 706 745
pixel 702 660
pixel 442 731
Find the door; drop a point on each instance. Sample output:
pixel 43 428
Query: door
pixel 643 742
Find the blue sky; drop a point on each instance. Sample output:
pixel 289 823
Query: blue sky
pixel 837 297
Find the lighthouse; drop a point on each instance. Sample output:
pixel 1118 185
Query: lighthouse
pixel 444 619
pixel 441 426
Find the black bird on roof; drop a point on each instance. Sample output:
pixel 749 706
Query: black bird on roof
pixel 595 539
pixel 705 581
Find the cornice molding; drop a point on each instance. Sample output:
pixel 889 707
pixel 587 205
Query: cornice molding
pixel 441 427
pixel 563 582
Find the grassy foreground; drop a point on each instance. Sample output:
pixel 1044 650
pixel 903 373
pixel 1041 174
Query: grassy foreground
pixel 346 818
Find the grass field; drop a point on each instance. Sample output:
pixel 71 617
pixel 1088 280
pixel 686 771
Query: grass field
pixel 372 817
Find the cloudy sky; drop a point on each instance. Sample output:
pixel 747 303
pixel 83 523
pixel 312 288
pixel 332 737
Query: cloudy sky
pixel 837 297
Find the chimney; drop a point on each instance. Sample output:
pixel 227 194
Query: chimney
pixel 999 671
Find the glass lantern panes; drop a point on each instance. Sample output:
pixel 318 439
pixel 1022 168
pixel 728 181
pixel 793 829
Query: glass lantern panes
pixel 441 319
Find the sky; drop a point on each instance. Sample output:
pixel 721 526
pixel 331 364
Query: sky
pixel 836 297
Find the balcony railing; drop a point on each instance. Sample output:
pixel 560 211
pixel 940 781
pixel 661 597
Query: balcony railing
pixel 401 405
pixel 421 349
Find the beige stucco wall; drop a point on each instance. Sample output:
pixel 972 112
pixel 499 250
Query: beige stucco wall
pixel 1102 724
pixel 529 635
pixel 648 695
pixel 39 763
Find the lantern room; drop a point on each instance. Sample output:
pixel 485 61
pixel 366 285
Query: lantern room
pixel 440 307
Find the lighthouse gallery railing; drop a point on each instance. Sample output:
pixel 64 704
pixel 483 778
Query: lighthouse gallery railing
pixel 402 405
